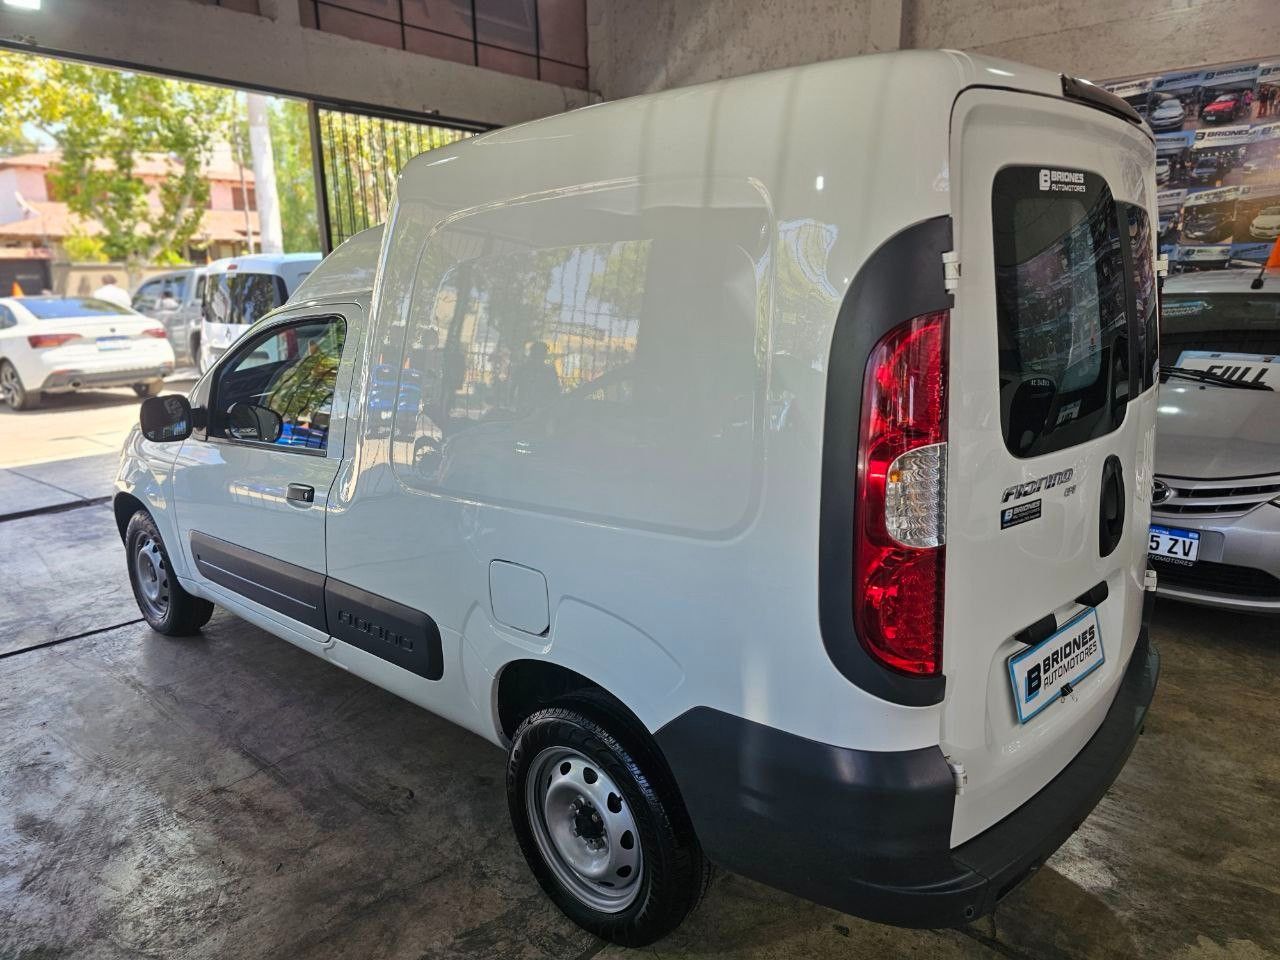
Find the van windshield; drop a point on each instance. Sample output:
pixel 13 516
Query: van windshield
pixel 1061 308
pixel 242 298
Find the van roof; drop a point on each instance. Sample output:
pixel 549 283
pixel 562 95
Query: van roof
pixel 262 262
pixel 537 157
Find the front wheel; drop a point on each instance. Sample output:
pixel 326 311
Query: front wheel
pixel 166 607
pixel 601 824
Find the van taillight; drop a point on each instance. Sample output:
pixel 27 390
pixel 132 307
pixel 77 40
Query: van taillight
pixel 901 507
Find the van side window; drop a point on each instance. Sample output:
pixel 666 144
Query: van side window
pixel 1142 275
pixel 606 377
pixel 1061 308
pixel 292 371
pixel 241 298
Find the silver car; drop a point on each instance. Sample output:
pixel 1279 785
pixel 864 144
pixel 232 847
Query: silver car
pixel 1215 520
pixel 174 299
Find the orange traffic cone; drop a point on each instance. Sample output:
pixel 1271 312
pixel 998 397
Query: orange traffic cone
pixel 17 288
pixel 1273 263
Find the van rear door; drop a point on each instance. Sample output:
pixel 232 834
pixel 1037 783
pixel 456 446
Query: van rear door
pixel 1051 428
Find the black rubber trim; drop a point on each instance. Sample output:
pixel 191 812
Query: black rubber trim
pixel 902 279
pixel 1095 595
pixel 398 634
pixel 1082 91
pixel 292 590
pixel 1042 629
pixel 869 833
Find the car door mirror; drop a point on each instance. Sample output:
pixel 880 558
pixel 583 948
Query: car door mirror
pixel 248 421
pixel 165 419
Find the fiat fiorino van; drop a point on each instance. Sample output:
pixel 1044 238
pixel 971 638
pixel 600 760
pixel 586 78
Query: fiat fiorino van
pixel 768 475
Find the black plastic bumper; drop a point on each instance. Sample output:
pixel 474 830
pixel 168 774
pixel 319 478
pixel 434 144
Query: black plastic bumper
pixel 869 833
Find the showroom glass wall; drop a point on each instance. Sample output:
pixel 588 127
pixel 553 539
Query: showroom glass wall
pixel 538 39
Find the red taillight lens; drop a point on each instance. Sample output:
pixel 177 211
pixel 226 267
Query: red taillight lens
pixel 41 341
pixel 901 523
pixel 158 332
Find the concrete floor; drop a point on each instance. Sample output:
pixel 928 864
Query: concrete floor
pixel 232 796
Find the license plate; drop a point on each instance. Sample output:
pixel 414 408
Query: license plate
pixel 1041 673
pixel 1169 543
pixel 113 343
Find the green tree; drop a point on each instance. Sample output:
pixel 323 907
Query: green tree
pixel 295 179
pixel 107 122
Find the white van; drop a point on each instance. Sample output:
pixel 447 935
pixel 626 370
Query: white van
pixel 769 476
pixel 238 291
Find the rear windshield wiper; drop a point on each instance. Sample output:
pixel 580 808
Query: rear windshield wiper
pixel 1204 376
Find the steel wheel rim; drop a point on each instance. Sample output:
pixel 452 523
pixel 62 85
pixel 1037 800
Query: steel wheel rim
pixel 151 574
pixel 584 829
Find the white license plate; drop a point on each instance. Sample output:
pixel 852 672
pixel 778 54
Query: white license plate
pixel 1168 543
pixel 1041 673
pixel 113 343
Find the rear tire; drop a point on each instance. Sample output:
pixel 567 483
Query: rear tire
pixel 166 607
pixel 601 823
pixel 151 388
pixel 12 390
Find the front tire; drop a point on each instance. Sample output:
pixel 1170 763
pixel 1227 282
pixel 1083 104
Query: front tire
pixel 12 390
pixel 601 823
pixel 166 607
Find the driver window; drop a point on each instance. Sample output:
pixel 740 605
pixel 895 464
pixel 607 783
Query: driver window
pixel 291 373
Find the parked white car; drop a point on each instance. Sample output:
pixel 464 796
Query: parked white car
pixel 240 290
pixel 1266 225
pixel 705 490
pixel 63 344
pixel 1162 170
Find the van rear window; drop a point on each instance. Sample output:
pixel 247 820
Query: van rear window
pixel 1061 309
pixel 242 298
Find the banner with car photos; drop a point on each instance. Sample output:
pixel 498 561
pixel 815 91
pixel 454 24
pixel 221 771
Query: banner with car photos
pixel 1217 161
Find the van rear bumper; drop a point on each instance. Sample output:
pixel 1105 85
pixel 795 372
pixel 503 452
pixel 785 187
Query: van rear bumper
pixel 869 833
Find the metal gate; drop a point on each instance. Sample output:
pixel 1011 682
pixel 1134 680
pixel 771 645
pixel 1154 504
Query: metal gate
pixel 357 157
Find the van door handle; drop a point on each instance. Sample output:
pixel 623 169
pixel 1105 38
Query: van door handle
pixel 301 493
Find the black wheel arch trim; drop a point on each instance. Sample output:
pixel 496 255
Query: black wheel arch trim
pixel 902 279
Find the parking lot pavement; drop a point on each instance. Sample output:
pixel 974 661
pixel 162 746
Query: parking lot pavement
pixel 229 795
pixel 62 574
pixel 74 424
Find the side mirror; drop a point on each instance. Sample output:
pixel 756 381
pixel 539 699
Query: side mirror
pixel 165 419
pixel 248 421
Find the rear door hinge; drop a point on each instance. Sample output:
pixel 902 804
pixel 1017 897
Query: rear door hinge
pixel 1162 265
pixel 951 270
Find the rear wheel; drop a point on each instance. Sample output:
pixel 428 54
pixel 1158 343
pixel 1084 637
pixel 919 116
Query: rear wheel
pixel 601 823
pixel 151 388
pixel 12 390
pixel 166 607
